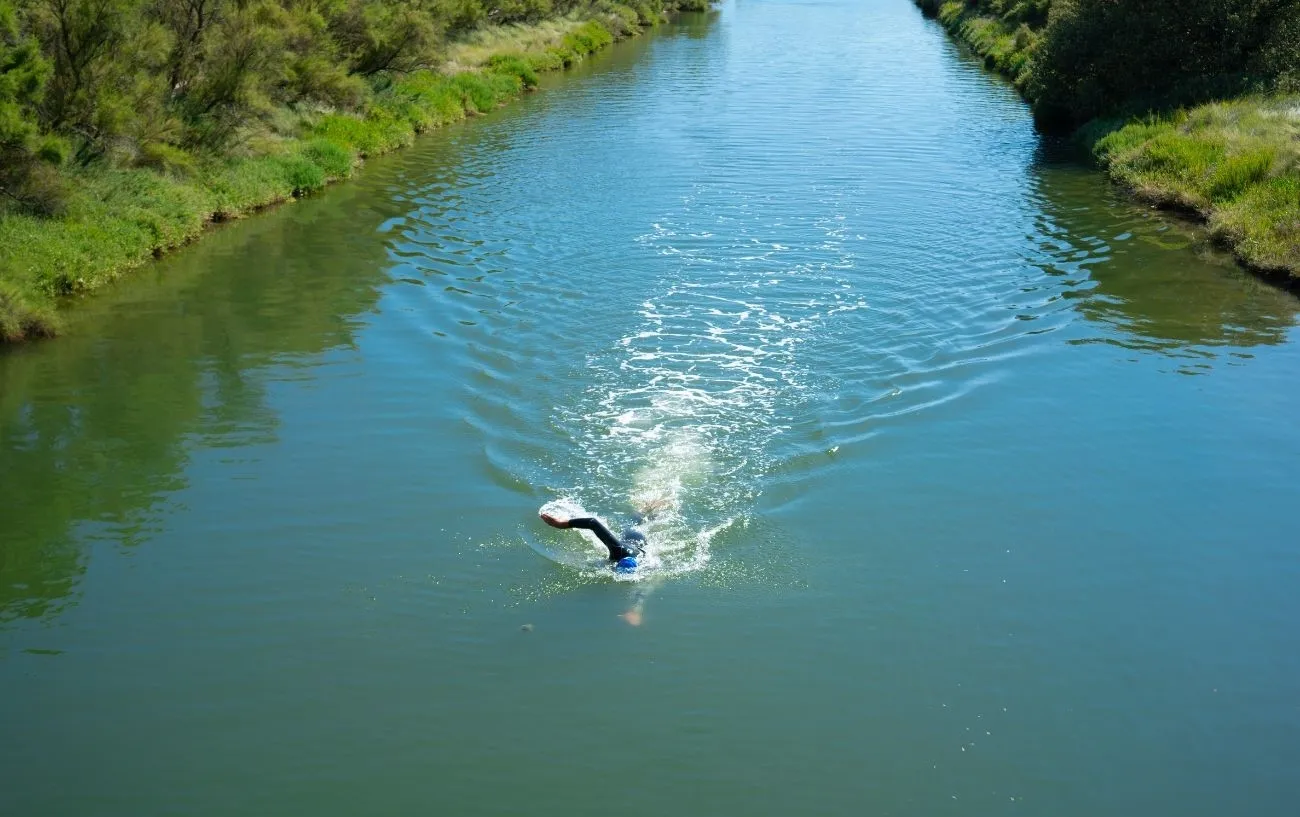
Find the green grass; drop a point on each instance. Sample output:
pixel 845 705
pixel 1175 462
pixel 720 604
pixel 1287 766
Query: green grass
pixel 515 65
pixel 1004 47
pixel 1263 223
pixel 1235 164
pixel 21 319
pixel 117 219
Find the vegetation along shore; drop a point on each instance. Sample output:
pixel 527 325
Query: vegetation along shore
pixel 1190 104
pixel 129 126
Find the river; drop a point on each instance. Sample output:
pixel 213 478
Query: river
pixel 978 482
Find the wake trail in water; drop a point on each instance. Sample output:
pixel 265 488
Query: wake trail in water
pixel 682 413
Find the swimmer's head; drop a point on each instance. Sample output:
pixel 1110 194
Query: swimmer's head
pixel 625 565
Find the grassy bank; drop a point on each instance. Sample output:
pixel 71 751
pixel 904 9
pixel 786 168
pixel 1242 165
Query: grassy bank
pixel 1233 162
pixel 113 218
pixel 1005 44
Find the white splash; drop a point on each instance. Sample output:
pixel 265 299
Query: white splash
pixel 684 409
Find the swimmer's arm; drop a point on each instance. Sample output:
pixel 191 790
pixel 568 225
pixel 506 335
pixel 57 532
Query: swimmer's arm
pixel 586 523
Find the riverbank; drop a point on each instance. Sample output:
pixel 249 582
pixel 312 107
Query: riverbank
pixel 115 219
pixel 1233 165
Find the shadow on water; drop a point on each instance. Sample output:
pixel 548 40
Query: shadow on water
pixel 1153 282
pixel 94 427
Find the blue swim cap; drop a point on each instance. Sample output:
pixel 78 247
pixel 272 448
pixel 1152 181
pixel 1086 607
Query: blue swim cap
pixel 625 565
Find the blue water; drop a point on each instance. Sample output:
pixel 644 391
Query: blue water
pixel 975 482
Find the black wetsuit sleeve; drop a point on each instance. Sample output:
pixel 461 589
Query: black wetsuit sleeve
pixel 617 550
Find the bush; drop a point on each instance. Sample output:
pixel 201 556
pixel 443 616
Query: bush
pixel 440 101
pixel 334 159
pixel 484 92
pixel 372 136
pixel 52 150
pixel 302 174
pixel 623 21
pixel 642 13
pixel 515 65
pixel 242 185
pixel 547 60
pixel 21 319
pixel 563 55
pixel 166 158
pixel 35 187
pixel 1099 57
pixel 586 38
pixel 383 36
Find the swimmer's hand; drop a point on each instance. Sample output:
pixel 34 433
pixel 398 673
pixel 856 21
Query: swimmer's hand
pixel 555 520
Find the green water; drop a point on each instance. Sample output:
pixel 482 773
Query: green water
pixel 980 481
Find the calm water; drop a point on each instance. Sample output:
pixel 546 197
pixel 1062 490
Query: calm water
pixel 980 483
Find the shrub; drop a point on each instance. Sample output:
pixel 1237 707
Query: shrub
pixel 20 318
pixel 563 55
pixel 548 60
pixel 515 65
pixel 302 174
pixel 1115 56
pixel 37 188
pixel 436 96
pixel 643 13
pixel 165 158
pixel 334 159
pixel 623 21
pixel 239 186
pixel 52 150
pixel 586 38
pixel 372 136
pixel 485 91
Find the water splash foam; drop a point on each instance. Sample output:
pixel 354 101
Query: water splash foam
pixel 680 419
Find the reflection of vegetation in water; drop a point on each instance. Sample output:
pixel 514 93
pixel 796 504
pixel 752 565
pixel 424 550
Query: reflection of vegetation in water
pixel 101 451
pixel 1152 278
pixel 695 25
pixel 1107 66
pixel 93 427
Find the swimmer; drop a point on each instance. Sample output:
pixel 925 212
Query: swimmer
pixel 623 551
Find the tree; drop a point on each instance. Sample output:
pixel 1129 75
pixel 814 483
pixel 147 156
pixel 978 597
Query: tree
pixel 395 36
pixel 1102 57
pixel 25 176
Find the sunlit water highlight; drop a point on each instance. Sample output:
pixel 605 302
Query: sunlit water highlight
pixel 682 413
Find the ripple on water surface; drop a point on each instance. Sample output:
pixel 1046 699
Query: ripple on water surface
pixel 782 281
pixel 660 333
pixel 799 269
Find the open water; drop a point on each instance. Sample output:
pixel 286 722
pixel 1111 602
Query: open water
pixel 976 483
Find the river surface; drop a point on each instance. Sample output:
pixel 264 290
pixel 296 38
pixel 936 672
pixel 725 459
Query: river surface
pixel 977 485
